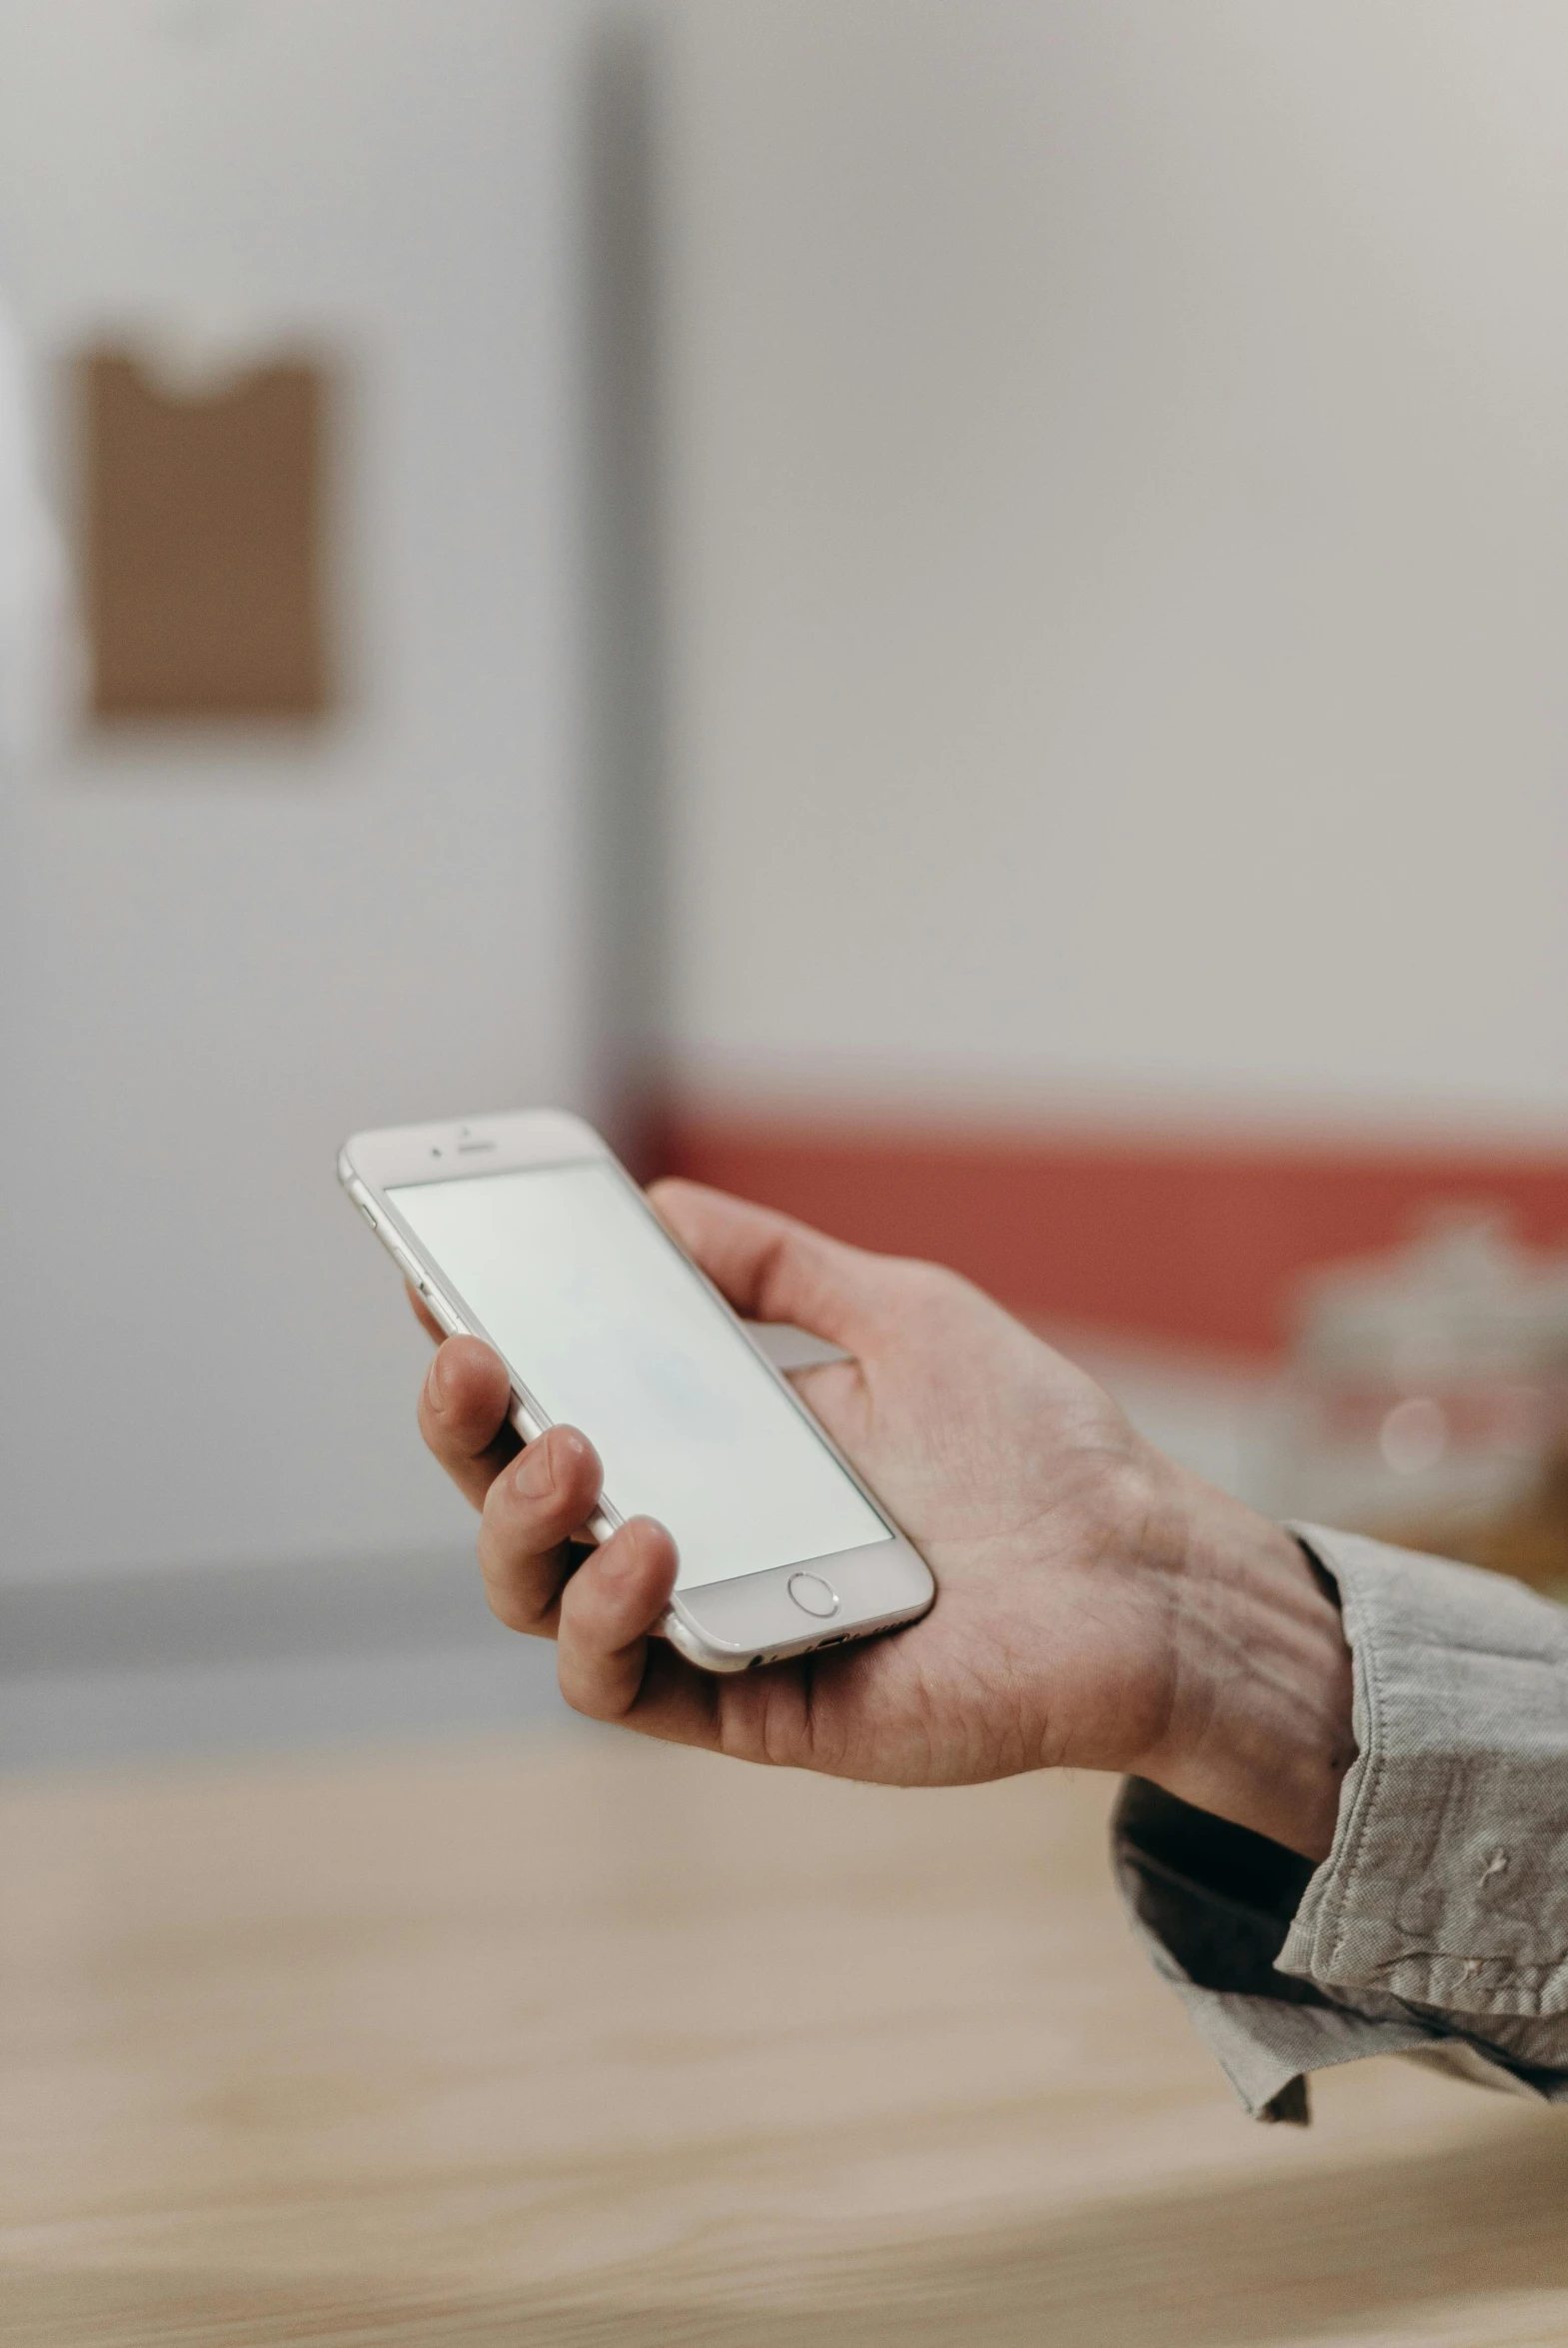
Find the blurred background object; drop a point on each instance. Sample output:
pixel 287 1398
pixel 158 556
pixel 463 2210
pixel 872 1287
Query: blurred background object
pixel 1428 1399
pixel 203 539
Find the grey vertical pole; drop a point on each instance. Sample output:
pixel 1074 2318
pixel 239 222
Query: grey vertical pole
pixel 627 955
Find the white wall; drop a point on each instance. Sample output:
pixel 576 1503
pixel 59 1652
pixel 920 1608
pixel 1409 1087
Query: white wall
pixel 1119 507
pixel 235 950
pixel 1118 595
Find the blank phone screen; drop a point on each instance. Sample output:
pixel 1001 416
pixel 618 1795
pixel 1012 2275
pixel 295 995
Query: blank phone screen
pixel 602 1319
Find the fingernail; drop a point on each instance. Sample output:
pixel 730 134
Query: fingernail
pixel 621 1558
pixel 533 1478
pixel 432 1387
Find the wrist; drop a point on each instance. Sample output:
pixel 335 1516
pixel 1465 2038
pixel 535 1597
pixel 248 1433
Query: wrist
pixel 1259 1723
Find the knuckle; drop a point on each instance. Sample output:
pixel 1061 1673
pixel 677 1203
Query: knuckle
pixel 501 1562
pixel 515 1608
pixel 583 1695
pixel 925 1283
pixel 504 1530
pixel 926 1295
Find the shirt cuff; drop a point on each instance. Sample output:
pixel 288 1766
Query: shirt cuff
pixel 1212 1904
pixel 1447 1883
pixel 1438 1924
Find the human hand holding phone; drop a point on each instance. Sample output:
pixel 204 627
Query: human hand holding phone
pixel 1099 1607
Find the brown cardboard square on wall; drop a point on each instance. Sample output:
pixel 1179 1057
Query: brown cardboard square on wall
pixel 203 519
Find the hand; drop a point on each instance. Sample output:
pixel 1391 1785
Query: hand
pixel 1097 1605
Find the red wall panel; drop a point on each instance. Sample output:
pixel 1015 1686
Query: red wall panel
pixel 1197 1242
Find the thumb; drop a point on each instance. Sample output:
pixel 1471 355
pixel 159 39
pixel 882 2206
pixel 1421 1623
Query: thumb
pixel 771 1268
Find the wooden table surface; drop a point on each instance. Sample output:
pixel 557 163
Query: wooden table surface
pixel 576 2040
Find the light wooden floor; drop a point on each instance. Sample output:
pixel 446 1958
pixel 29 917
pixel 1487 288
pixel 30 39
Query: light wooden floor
pixel 579 2041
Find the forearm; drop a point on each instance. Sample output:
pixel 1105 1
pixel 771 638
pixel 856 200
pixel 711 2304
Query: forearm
pixel 1259 1732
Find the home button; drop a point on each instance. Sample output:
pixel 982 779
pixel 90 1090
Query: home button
pixel 812 1594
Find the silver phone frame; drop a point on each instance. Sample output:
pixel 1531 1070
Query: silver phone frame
pixel 729 1625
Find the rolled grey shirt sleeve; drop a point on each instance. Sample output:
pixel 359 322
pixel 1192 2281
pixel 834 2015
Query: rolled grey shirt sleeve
pixel 1438 1923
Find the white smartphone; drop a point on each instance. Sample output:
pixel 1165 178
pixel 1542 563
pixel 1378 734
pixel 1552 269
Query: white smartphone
pixel 524 1229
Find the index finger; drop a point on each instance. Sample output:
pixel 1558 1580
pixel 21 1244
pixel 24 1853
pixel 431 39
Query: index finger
pixel 463 1410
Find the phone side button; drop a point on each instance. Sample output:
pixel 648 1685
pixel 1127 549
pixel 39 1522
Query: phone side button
pixel 411 1273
